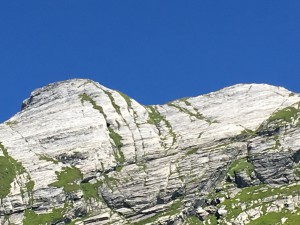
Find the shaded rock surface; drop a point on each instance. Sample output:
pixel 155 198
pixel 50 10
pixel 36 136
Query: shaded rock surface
pixel 80 153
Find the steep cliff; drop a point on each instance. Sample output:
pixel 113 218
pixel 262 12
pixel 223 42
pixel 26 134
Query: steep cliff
pixel 80 153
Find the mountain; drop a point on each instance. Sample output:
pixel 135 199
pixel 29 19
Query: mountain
pixel 80 153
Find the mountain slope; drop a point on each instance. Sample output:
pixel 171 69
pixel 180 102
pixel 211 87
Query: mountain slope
pixel 80 153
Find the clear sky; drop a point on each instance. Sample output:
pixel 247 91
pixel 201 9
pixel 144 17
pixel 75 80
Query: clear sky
pixel 153 50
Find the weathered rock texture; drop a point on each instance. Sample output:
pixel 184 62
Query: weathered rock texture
pixel 80 153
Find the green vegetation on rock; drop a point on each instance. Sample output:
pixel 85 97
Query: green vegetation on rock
pixel 91 190
pixel 119 156
pixel 240 165
pixel 48 158
pixel 31 218
pixel 191 114
pixel 84 97
pixel 297 171
pixel 116 107
pixel 7 176
pixel 9 169
pixel 276 217
pixel 127 99
pixel 184 110
pixel 211 220
pixel 193 220
pixel 173 210
pixel 248 132
pixel 192 151
pixel 117 139
pixel 68 179
pixel 156 118
pixel 286 114
pixel 119 168
pixel 30 185
pixel 3 149
pixel 110 181
pixel 11 123
pixel 254 197
pixel 185 100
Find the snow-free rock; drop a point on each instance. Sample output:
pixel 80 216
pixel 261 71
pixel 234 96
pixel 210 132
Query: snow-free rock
pixel 82 153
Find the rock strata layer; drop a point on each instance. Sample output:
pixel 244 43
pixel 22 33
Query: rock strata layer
pixel 80 153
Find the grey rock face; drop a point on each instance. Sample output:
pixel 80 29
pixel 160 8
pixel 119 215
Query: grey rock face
pixel 82 153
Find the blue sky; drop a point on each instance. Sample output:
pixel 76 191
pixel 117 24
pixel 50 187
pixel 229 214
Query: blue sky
pixel 152 50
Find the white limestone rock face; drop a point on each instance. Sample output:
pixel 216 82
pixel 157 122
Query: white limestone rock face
pixel 80 152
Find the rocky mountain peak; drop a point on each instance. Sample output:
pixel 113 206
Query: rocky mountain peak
pixel 80 153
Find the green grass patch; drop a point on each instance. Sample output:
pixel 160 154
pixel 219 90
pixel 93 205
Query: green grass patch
pixel 211 219
pixel 193 220
pixel 286 114
pixel 275 218
pixel 31 218
pixel 297 171
pixel 48 158
pixel 185 100
pixel 246 195
pixel 119 156
pixel 7 176
pixel 250 194
pixel 90 190
pixel 119 168
pixel 240 165
pixel 11 123
pixel 68 179
pixel 110 181
pixel 197 115
pixel 4 150
pixel 268 219
pixel 255 192
pixel 9 169
pixel 248 133
pixel 117 139
pixel 30 185
pixel 116 107
pixel 186 111
pixel 126 98
pixel 84 97
pixel 156 118
pixel 192 151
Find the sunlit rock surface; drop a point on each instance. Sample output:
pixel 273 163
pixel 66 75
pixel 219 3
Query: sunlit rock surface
pixel 80 153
